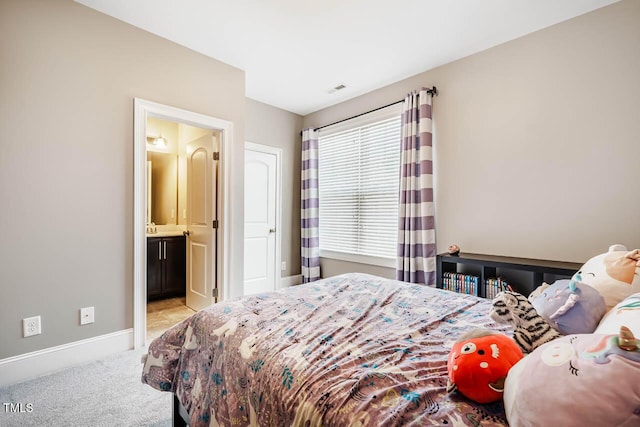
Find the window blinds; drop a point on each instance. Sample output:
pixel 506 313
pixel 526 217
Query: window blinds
pixel 358 176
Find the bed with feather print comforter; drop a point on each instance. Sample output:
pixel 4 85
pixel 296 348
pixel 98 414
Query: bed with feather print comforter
pixel 351 350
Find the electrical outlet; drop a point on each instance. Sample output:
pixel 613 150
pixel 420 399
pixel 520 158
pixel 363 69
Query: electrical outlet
pixel 86 315
pixel 283 267
pixel 31 326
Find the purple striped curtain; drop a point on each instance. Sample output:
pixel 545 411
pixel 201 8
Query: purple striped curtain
pixel 416 259
pixel 309 214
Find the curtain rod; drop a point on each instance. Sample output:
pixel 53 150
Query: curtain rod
pixel 433 91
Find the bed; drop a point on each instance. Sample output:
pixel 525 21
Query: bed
pixel 351 350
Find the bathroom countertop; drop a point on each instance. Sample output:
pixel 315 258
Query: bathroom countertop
pixel 165 233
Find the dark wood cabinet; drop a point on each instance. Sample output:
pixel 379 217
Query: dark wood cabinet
pixel 166 267
pixel 154 267
pixel 488 266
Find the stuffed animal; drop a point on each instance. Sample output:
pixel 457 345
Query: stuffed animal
pixel 530 329
pixel 571 307
pixel 577 380
pixel 625 313
pixel 537 292
pixel 615 274
pixel 478 364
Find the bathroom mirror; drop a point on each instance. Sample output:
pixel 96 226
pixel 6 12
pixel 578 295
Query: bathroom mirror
pixel 162 188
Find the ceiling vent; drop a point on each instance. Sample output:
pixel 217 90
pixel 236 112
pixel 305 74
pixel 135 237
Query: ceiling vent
pixel 337 88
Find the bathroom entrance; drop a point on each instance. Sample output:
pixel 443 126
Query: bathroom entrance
pixel 178 241
pixel 181 210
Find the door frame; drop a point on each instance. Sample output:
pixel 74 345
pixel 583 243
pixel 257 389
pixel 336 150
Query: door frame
pixel 142 109
pixel 267 149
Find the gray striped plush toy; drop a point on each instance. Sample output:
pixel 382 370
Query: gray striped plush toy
pixel 530 329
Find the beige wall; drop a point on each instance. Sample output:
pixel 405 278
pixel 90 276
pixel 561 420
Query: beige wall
pixel 272 126
pixel 536 140
pixel 68 79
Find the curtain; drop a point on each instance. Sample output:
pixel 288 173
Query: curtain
pixel 309 215
pixel 416 258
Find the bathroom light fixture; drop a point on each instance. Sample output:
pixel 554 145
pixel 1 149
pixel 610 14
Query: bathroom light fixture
pixel 156 140
pixel 160 141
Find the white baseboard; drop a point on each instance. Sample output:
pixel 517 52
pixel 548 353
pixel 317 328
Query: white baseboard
pixel 285 282
pixel 30 365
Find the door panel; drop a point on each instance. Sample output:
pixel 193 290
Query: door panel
pixel 199 200
pixel 257 254
pixel 260 222
pixel 256 192
pixel 197 285
pixel 201 211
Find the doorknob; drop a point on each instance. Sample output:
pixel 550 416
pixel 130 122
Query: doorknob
pixel 272 230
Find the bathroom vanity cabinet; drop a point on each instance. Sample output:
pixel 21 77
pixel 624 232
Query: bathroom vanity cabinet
pixel 166 267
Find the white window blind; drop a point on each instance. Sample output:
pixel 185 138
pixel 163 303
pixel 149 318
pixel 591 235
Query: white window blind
pixel 358 173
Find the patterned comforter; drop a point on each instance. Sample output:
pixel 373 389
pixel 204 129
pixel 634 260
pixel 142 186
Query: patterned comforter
pixel 351 350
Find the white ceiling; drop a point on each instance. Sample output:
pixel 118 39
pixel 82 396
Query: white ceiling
pixel 295 51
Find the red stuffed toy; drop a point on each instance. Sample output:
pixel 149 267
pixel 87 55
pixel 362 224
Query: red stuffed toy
pixel 478 364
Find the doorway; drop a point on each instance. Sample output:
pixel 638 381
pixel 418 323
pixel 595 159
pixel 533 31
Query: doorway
pixel 262 223
pixel 181 193
pixel 213 197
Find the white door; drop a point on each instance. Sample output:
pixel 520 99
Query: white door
pixel 259 221
pixel 202 185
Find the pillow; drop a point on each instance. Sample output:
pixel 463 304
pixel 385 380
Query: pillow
pixel 576 380
pixel 626 313
pixel 571 307
pixel 615 274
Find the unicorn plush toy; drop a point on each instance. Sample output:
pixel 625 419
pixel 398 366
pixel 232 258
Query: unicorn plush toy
pixel 571 307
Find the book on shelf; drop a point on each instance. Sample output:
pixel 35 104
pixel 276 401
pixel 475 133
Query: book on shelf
pixel 494 286
pixel 461 283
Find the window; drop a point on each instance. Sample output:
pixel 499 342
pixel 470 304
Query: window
pixel 358 175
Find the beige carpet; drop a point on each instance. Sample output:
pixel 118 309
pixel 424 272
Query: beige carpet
pixel 107 392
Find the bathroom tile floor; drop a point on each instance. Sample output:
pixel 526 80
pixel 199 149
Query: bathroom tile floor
pixel 163 314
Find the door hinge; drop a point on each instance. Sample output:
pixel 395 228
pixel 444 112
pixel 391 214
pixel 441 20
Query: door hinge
pixel 216 155
pixel 215 223
pixel 214 292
